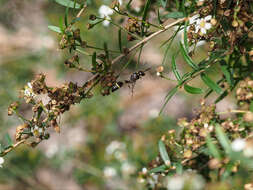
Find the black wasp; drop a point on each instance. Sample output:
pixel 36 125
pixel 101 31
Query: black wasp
pixel 116 86
pixel 134 77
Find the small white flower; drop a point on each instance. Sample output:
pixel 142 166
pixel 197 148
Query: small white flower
pixel 193 19
pixel 28 92
pixel 175 183
pixel 158 74
pixel 238 145
pixel 113 146
pixel 120 2
pixel 105 12
pixel 203 24
pixel 206 125
pixel 153 113
pixel 127 168
pixel 1 162
pixel 144 170
pixel 109 172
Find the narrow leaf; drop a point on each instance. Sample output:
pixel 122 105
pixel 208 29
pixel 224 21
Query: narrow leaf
pixel 163 3
pixel 66 17
pixel 8 139
pixel 223 139
pixel 185 37
pixel 174 68
pixel 55 29
pixel 163 152
pixel 175 15
pixel 94 62
pixel 120 42
pixel 68 3
pixel 212 148
pixel 193 90
pixel 145 13
pixel 161 168
pixel 226 72
pixel 211 84
pixel 187 58
pixel 168 97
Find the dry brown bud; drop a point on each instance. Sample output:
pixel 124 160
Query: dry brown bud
pixel 188 154
pixel 248 116
pixel 214 164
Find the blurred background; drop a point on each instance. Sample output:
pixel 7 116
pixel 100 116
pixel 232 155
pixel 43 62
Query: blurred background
pixel 104 141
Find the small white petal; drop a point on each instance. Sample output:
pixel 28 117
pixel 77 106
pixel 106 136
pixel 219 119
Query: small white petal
pixel 238 145
pixel 193 18
pixel 203 30
pixel 106 23
pixel 120 2
pixel 29 85
pixel 208 26
pixel 1 160
pixel 209 17
pixel 105 11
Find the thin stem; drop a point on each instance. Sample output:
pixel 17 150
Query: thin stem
pixel 97 48
pixel 83 52
pixel 130 33
pixel 145 40
pixel 232 111
pixel 12 147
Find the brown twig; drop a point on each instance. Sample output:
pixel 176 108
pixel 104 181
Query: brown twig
pixel 12 147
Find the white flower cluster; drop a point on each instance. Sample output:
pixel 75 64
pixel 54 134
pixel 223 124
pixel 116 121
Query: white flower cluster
pixel 188 179
pixel 105 12
pixel 1 162
pixel 246 147
pixel 28 91
pixel 201 24
pixel 117 150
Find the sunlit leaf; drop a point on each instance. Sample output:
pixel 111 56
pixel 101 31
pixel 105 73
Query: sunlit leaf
pixel 163 152
pixel 212 148
pixel 68 3
pixel 163 3
pixel 223 139
pixel 55 29
pixel 168 97
pixel 8 139
pixel 174 15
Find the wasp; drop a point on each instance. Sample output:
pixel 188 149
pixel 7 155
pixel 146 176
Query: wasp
pixel 116 86
pixel 134 77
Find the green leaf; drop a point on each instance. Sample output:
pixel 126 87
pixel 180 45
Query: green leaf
pixel 144 15
pixel 226 72
pixel 163 3
pixel 161 168
pixel 175 15
pixel 68 3
pixel 163 153
pixel 192 90
pixel 66 17
pixel 211 84
pixel 55 29
pixel 120 42
pixel 187 58
pixel 185 37
pixel 168 97
pixel 212 148
pixel 8 139
pixel 251 106
pixel 223 139
pixel 94 62
pixel 174 68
